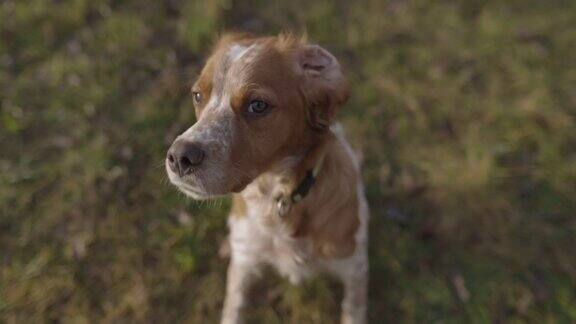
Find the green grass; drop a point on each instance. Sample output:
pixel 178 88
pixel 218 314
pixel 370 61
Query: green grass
pixel 465 112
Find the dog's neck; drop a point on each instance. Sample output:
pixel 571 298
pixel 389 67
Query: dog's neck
pixel 300 170
pixel 327 215
pixel 292 178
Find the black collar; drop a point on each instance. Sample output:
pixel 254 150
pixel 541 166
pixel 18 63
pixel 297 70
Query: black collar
pixel 306 184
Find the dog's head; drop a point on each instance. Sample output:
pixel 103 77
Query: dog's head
pixel 258 102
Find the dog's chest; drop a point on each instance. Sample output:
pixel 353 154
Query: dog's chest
pixel 261 235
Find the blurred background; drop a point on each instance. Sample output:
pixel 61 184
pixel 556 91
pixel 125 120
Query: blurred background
pixel 464 110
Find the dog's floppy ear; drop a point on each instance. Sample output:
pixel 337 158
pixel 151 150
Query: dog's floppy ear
pixel 324 86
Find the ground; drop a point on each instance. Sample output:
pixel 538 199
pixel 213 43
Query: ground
pixel 464 112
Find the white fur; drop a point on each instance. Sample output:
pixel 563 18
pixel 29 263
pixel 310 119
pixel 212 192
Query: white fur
pixel 238 51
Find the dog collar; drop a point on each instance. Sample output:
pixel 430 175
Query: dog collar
pixel 304 187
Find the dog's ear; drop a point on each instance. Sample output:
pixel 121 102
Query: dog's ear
pixel 324 86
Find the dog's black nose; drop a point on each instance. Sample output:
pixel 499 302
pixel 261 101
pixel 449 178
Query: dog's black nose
pixel 184 156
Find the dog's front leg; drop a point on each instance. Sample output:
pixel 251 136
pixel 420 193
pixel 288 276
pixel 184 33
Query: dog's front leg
pixel 354 304
pixel 240 275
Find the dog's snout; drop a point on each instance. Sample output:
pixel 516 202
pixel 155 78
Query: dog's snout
pixel 184 156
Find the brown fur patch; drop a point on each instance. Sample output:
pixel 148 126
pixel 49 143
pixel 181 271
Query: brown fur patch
pixel 329 214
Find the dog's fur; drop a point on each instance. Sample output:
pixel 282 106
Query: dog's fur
pixel 262 160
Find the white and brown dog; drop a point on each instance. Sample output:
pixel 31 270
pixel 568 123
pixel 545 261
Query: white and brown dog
pixel 266 133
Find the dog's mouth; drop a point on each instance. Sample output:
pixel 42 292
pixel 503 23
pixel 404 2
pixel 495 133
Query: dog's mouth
pixel 193 192
pixel 191 187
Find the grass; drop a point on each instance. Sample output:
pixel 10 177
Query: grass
pixel 464 110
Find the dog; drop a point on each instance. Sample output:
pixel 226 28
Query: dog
pixel 266 133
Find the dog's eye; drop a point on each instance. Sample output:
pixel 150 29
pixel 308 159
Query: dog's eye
pixel 256 107
pixel 197 96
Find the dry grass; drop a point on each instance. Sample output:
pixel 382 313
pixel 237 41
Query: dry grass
pixel 465 112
